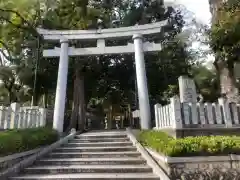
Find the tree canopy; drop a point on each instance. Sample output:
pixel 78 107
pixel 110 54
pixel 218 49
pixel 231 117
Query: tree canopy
pixel 106 77
pixel 225 36
pixel 224 41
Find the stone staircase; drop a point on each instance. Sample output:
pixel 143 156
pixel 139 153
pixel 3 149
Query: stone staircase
pixel 91 156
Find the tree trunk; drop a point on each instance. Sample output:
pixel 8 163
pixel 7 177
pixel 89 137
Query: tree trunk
pixel 9 88
pixel 75 104
pixel 81 107
pixel 110 119
pixel 78 109
pixel 35 101
pixel 37 97
pixel 10 96
pixel 227 80
pixel 45 100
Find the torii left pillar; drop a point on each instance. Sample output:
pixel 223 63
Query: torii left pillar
pixel 60 99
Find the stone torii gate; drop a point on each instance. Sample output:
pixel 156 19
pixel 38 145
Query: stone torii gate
pixel 138 47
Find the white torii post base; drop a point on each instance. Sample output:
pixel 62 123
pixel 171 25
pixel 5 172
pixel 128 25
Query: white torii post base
pixel 59 108
pixel 144 107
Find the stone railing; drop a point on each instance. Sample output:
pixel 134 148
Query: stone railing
pixel 179 115
pixel 26 162
pixel 16 117
pixel 9 161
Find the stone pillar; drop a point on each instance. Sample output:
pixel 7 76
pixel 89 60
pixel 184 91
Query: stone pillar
pixel 176 116
pixel 157 115
pixel 15 107
pixel 59 108
pixel 223 102
pixel 2 116
pixel 187 90
pixel 188 96
pixel 43 116
pixel 7 118
pixel 144 107
pixel 106 122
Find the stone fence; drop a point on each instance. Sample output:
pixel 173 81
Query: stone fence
pixel 10 160
pixel 136 114
pixel 186 116
pixel 179 115
pixel 16 117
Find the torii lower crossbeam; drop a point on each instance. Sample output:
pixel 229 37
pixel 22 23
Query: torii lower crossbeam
pixel 102 50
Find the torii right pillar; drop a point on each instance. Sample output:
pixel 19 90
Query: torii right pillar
pixel 144 106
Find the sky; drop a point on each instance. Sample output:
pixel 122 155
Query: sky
pixel 202 12
pixel 200 8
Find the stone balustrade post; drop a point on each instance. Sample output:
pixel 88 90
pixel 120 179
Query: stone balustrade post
pixel 157 115
pixel 176 116
pixel 223 102
pixel 2 116
pixel 15 107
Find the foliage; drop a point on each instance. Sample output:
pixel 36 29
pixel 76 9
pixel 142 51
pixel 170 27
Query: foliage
pixel 190 146
pixel 172 90
pixel 224 35
pixel 225 41
pixel 11 77
pixel 15 141
pixel 105 76
pixel 165 68
pixel 18 39
pixel 206 82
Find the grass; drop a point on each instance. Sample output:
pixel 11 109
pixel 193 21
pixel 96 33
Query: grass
pixel 15 141
pixel 190 146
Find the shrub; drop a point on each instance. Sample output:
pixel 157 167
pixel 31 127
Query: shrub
pixel 190 146
pixel 15 141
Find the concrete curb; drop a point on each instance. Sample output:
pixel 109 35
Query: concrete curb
pixel 7 162
pixel 156 169
pixel 30 160
pixel 161 160
pixel 18 155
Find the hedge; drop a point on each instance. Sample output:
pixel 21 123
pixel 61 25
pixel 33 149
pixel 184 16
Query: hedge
pixel 15 141
pixel 190 146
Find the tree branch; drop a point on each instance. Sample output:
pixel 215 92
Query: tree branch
pixel 4 56
pixel 29 25
pixel 18 14
pixel 9 57
pixel 1 61
pixel 16 25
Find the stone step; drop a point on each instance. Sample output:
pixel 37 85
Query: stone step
pixel 87 169
pixel 93 154
pixel 104 133
pixel 98 144
pixel 100 136
pixel 90 161
pixel 96 149
pixel 90 176
pixel 100 140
